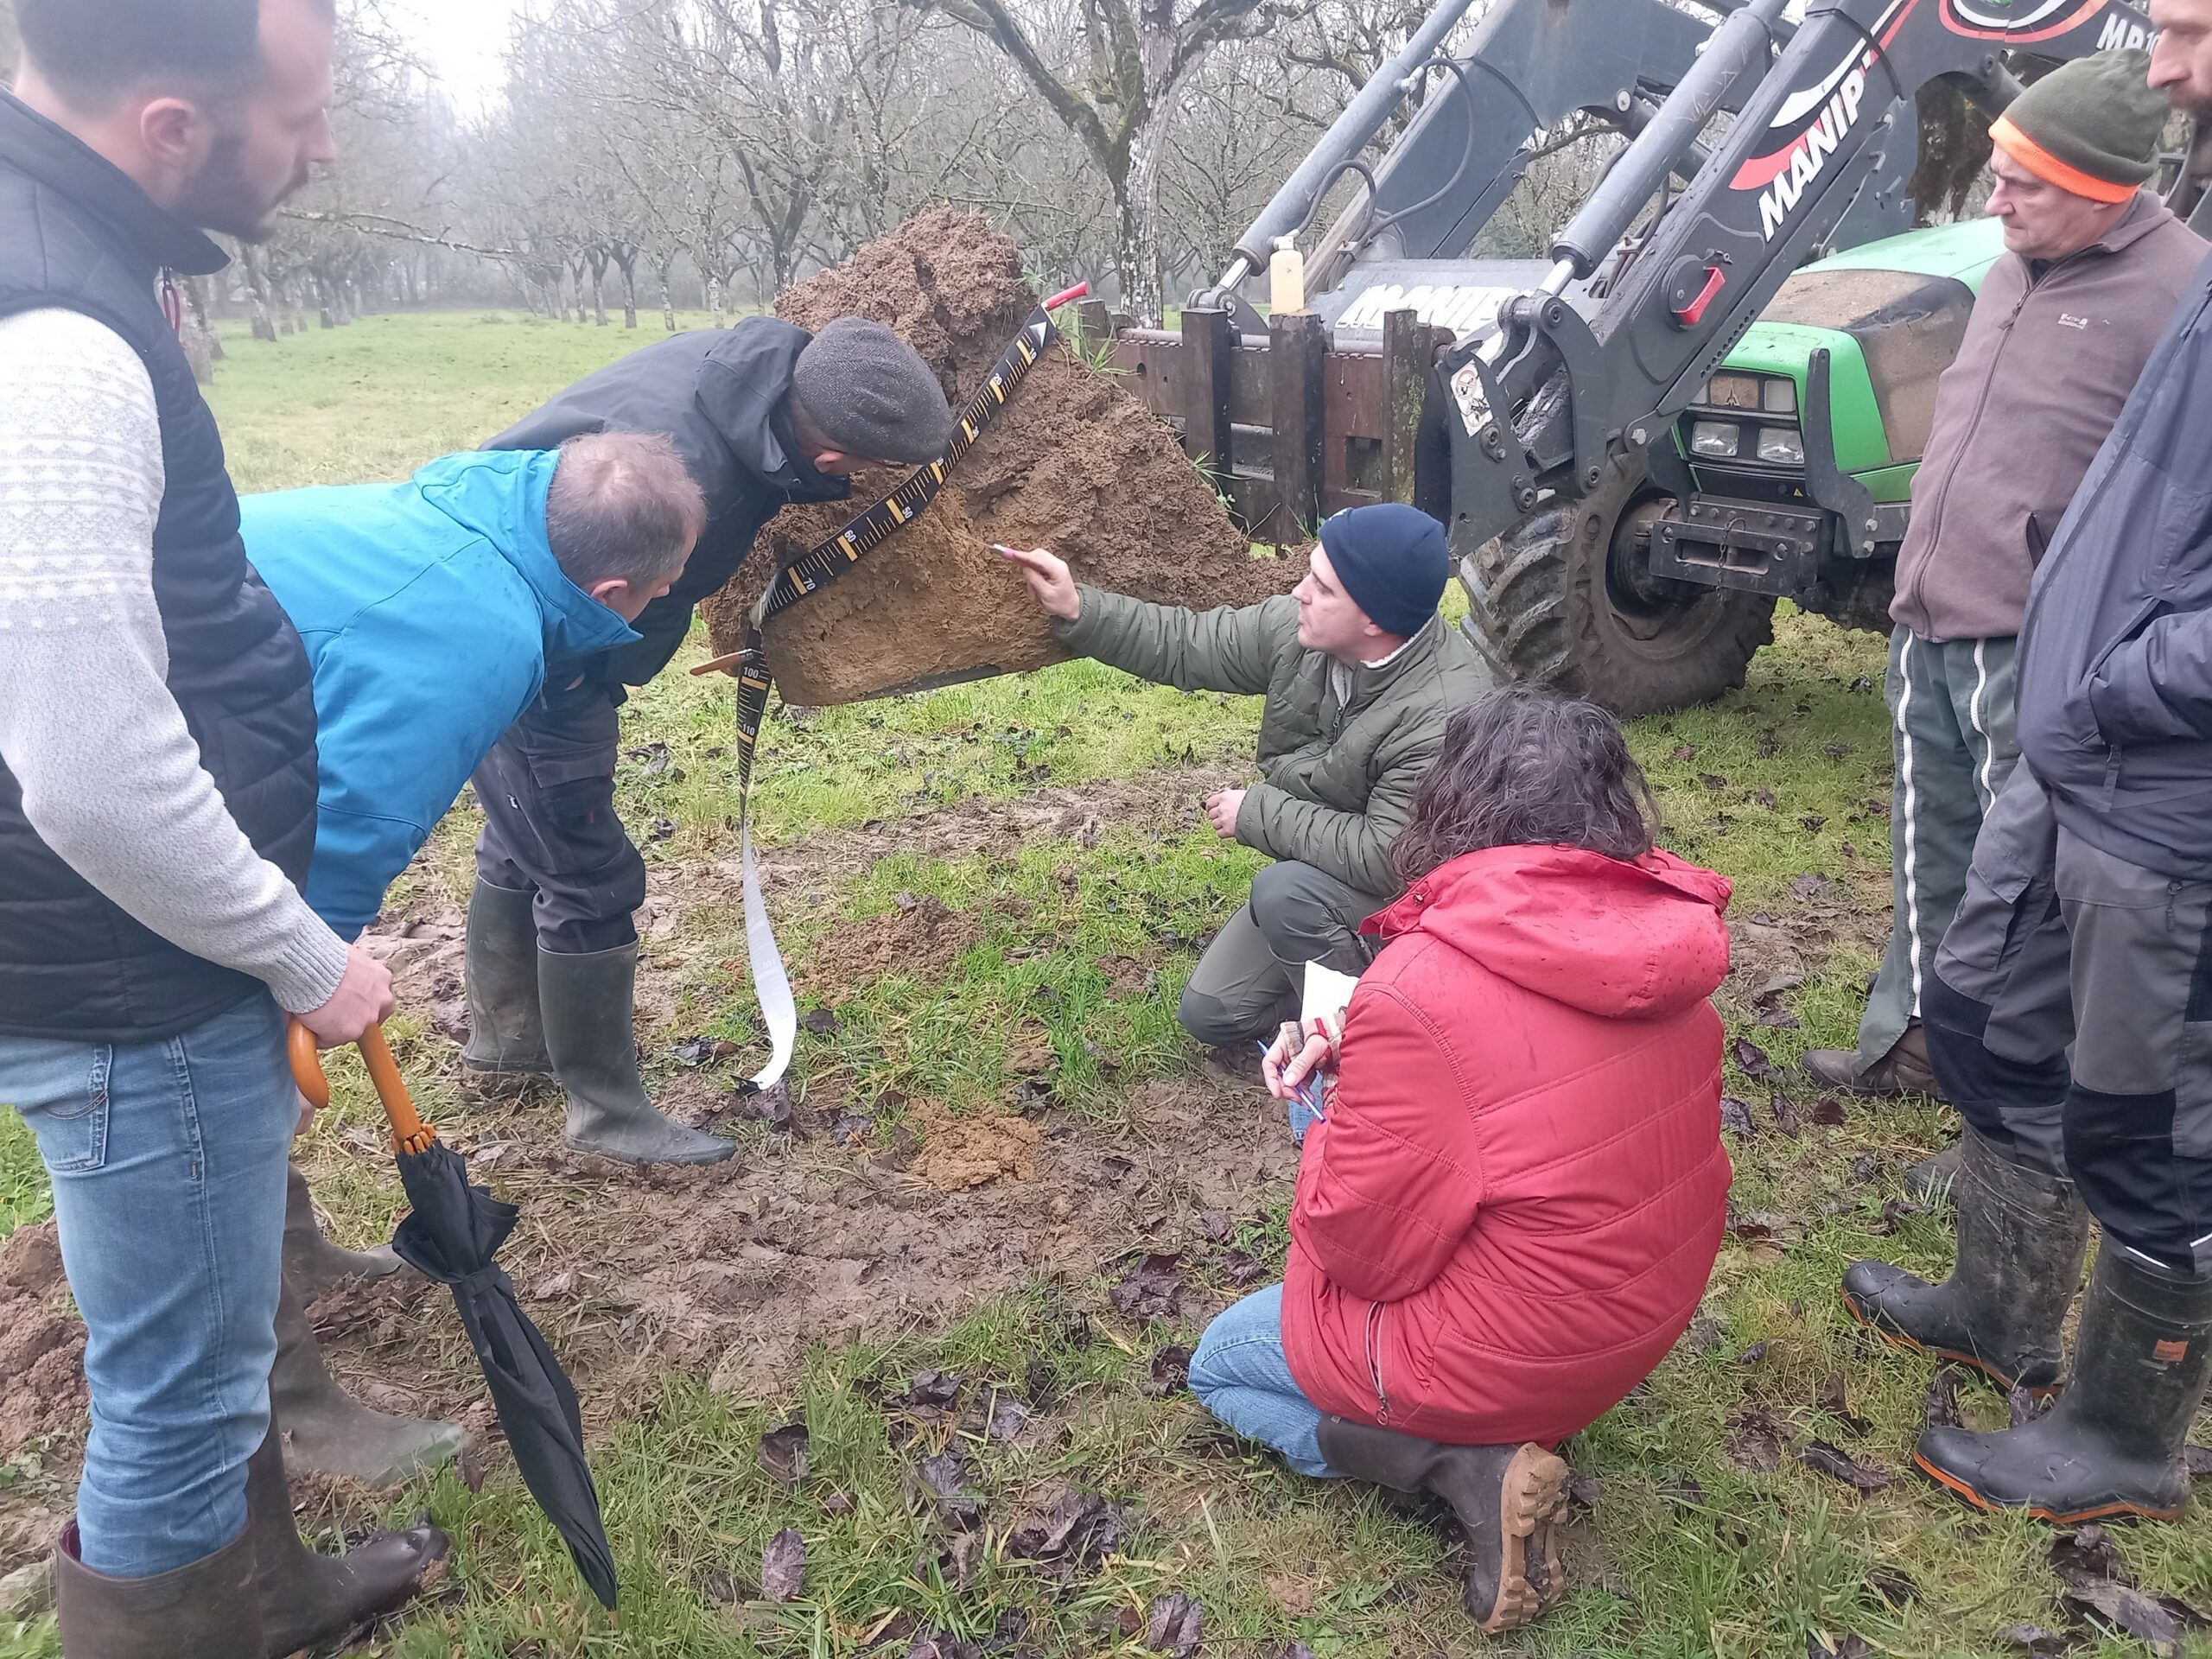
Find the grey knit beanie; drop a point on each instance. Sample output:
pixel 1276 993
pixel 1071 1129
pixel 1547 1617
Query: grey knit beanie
pixel 870 393
pixel 2091 126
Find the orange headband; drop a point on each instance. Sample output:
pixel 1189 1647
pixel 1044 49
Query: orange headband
pixel 2048 167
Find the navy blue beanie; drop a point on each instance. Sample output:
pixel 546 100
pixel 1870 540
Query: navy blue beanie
pixel 1391 560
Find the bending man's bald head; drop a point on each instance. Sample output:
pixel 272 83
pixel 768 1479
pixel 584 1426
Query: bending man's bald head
pixel 622 507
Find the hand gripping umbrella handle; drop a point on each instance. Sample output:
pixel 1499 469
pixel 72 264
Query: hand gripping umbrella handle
pixel 408 1132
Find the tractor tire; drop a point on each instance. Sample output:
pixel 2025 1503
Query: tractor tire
pixel 1566 599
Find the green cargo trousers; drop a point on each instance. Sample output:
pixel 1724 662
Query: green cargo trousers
pixel 1953 738
pixel 1251 978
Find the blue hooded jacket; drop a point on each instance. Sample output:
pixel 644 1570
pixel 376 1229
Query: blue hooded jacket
pixel 430 610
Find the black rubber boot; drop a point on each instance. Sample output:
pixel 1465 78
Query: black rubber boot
pixel 204 1610
pixel 2022 1236
pixel 1509 1499
pixel 312 1263
pixel 2112 1444
pixel 305 1598
pixel 506 1034
pixel 333 1433
pixel 588 1004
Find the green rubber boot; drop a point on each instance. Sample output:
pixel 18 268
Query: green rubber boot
pixel 588 1004
pixel 331 1433
pixel 506 1038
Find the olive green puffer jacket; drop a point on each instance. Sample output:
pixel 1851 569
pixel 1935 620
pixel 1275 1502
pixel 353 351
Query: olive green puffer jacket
pixel 1339 776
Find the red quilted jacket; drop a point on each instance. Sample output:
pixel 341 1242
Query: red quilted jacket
pixel 1511 1214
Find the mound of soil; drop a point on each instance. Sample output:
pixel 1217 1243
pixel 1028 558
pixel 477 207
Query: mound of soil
pixel 959 1153
pixel 1073 463
pixel 42 1343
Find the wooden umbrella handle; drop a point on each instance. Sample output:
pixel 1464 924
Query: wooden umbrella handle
pixel 408 1132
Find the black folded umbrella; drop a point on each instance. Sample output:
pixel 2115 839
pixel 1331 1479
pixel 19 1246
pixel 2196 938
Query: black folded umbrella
pixel 451 1235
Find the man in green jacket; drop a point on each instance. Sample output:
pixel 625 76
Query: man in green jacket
pixel 1360 675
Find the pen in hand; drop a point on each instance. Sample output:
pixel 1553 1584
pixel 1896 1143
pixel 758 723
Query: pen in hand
pixel 1309 1093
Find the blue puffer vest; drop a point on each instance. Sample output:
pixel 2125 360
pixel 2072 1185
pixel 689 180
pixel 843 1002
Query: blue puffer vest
pixel 76 233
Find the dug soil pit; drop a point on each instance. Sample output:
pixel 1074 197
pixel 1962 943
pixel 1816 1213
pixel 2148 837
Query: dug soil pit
pixel 1072 463
pixel 920 939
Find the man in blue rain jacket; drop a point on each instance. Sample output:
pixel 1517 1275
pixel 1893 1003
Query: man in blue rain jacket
pixel 436 610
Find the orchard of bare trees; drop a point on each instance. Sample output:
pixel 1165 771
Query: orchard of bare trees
pixel 648 155
pixel 652 154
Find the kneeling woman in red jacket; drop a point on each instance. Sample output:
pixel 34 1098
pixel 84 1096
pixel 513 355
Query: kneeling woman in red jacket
pixel 1508 1212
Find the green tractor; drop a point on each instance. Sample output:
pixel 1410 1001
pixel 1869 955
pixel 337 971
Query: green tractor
pixel 1787 477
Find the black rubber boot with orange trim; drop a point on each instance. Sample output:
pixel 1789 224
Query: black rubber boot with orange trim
pixel 1508 1500
pixel 2022 1237
pixel 2112 1445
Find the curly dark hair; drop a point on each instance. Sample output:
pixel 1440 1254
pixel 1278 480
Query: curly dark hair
pixel 1525 768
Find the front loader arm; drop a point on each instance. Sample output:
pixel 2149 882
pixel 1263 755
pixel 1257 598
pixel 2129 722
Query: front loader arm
pixel 1541 406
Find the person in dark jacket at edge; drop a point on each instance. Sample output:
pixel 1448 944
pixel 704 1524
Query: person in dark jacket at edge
pixel 1360 673
pixel 2069 1013
pixel 2092 268
pixel 763 415
pixel 157 811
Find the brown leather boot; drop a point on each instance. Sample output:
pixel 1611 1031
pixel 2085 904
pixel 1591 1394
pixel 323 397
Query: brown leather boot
pixel 311 1261
pixel 204 1610
pixel 1935 1176
pixel 1903 1071
pixel 331 1433
pixel 305 1598
pixel 1509 1499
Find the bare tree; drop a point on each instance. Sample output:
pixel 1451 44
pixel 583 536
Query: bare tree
pixel 1134 53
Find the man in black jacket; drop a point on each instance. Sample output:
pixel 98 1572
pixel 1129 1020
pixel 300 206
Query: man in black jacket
pixel 157 806
pixel 765 415
pixel 2069 1013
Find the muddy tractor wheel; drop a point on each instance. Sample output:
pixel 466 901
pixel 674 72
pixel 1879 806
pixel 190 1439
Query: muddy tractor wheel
pixel 1567 598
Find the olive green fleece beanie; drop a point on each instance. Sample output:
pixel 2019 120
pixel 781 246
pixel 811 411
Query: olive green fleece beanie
pixel 2091 126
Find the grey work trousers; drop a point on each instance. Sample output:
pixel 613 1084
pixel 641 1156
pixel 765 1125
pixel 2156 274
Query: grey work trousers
pixel 1952 738
pixel 1252 977
pixel 547 788
pixel 2070 1019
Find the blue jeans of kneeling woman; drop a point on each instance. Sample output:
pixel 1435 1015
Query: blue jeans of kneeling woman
pixel 1241 1375
pixel 168 1161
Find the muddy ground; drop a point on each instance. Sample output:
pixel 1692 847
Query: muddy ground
pixel 843 1219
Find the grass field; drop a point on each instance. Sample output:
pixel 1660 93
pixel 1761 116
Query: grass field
pixel 1053 819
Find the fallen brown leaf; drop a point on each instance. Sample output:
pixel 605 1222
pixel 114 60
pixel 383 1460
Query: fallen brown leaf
pixel 783 1567
pixel 1835 1462
pixel 1175 1624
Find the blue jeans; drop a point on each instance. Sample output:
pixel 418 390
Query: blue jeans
pixel 168 1161
pixel 1240 1374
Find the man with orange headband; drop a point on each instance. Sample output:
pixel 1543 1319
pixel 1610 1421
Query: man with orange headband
pixel 2064 322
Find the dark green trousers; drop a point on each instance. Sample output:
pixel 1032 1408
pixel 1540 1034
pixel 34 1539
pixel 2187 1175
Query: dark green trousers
pixel 1252 975
pixel 1953 740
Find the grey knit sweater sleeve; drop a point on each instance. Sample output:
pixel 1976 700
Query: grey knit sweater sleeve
pixel 111 778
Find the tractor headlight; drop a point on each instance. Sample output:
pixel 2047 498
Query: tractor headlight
pixel 1715 440
pixel 1779 396
pixel 1784 446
